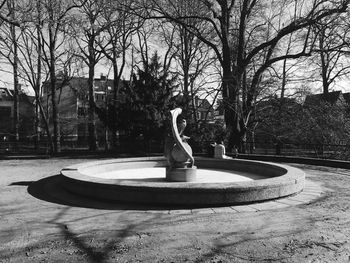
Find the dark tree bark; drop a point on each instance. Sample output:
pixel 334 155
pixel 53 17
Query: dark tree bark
pixel 11 6
pixel 91 112
pixel 52 69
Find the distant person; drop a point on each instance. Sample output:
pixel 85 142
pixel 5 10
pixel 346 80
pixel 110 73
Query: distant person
pixel 235 151
pixel 219 151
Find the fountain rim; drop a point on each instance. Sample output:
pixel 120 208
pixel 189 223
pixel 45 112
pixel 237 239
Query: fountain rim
pixel 283 174
pixel 285 181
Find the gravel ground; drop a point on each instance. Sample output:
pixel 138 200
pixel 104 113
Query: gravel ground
pixel 40 223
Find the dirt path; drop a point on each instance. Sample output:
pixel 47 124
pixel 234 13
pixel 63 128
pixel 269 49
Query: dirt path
pixel 35 230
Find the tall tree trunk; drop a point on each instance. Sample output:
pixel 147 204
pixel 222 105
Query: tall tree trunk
pixel 232 80
pixel 230 87
pixel 91 111
pixel 55 118
pixel 186 69
pixel 107 141
pixel 46 123
pixel 284 80
pixel 36 127
pixel 324 62
pixel 39 110
pixel 52 69
pixel 15 79
pixel 243 111
pixel 186 95
pixel 116 80
pixel 233 118
pixel 38 78
pixel 55 114
pixel 324 68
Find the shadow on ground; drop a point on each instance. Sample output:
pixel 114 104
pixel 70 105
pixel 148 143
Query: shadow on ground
pixel 22 183
pixel 50 189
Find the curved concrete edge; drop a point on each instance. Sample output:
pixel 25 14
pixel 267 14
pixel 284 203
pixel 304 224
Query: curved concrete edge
pixel 111 161
pixel 295 159
pixel 24 156
pixel 284 181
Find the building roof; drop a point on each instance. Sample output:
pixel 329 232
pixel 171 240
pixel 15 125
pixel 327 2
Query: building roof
pixel 80 84
pixel 6 94
pixel 203 104
pixel 330 97
pixel 346 97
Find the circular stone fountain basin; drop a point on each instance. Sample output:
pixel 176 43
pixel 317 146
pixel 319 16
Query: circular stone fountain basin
pixel 219 181
pixel 156 174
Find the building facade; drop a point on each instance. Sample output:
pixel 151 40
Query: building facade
pixel 26 115
pixel 73 106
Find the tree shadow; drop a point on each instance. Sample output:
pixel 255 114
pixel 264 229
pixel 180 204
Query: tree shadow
pixel 22 183
pixel 233 251
pixel 89 251
pixel 97 255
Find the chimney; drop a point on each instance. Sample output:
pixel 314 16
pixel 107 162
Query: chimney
pixel 196 101
pixel 103 77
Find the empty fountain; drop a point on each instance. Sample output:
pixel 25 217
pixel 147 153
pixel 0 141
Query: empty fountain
pixel 175 180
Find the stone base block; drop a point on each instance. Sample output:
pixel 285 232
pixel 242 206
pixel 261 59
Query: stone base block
pixel 181 174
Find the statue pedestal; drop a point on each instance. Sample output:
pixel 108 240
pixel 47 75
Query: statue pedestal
pixel 181 174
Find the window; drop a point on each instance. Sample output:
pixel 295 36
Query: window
pixel 5 114
pixel 81 111
pixel 3 94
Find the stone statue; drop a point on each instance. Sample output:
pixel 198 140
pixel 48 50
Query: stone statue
pixel 178 152
pixel 219 150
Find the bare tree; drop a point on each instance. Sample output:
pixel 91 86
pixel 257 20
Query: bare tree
pixel 55 16
pixel 117 41
pixel 331 60
pixel 31 67
pixel 9 36
pixel 192 58
pixel 5 15
pixel 232 32
pixel 35 63
pixel 87 27
pixel 146 37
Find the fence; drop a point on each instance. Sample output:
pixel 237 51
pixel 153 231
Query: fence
pixel 125 145
pixel 322 151
pixel 9 147
pixel 139 146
